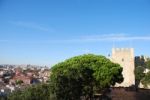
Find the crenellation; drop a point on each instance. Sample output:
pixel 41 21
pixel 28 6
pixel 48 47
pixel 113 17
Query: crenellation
pixel 125 57
pixel 122 49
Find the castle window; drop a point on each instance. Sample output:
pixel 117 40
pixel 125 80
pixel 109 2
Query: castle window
pixel 122 60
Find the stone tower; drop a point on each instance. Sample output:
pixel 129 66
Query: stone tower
pixel 125 57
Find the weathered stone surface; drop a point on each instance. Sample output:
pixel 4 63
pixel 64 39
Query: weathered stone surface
pixel 125 57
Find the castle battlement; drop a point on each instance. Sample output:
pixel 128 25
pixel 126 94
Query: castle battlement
pixel 123 52
pixel 122 49
pixel 125 57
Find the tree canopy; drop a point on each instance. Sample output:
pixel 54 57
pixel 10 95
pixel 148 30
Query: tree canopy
pixel 34 92
pixel 84 75
pixel 139 75
pixel 146 80
pixel 148 64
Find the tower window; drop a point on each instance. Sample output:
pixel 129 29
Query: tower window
pixel 122 60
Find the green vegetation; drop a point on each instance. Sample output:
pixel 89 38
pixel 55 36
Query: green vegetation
pixel 35 92
pixel 18 82
pixel 84 75
pixel 139 75
pixel 76 78
pixel 146 80
pixel 148 64
pixel 140 66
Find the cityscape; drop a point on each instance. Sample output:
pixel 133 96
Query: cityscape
pixel 74 50
pixel 13 77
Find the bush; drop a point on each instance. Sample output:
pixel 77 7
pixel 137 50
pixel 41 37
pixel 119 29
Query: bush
pixel 34 92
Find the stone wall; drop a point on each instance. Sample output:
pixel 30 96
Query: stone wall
pixel 125 57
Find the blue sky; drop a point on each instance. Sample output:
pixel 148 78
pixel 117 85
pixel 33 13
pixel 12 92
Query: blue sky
pixel 45 32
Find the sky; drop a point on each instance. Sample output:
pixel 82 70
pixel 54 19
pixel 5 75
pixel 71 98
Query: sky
pixel 45 32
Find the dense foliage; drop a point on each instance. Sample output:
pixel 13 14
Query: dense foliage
pixel 139 75
pixel 35 92
pixel 146 80
pixel 84 75
pixel 148 64
pixel 140 66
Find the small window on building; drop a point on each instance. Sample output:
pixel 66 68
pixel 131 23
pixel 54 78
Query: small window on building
pixel 122 60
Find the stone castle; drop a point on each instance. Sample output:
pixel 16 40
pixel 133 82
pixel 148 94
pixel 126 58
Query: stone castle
pixel 125 57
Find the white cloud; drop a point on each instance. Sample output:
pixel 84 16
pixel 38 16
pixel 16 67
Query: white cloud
pixel 30 25
pixel 103 38
pixel 89 39
pixel 114 37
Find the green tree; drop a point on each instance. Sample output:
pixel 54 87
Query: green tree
pixel 148 64
pixel 139 75
pixel 83 75
pixel 146 80
pixel 35 92
pixel 140 65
